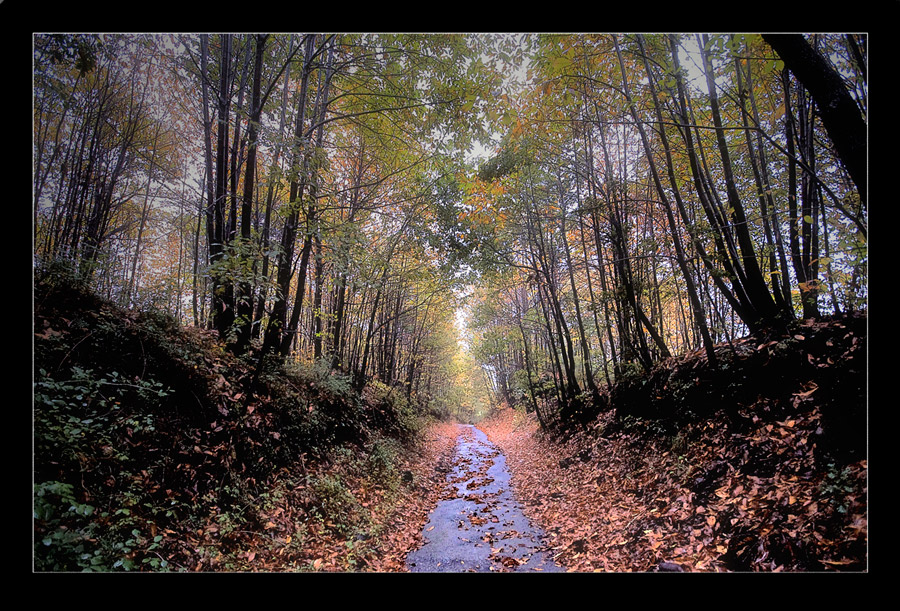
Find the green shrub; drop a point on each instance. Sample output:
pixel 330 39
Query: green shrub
pixel 334 504
pixel 382 457
pixel 837 484
pixel 381 464
pixel 63 531
pixel 82 418
pixel 320 376
pixel 389 411
pixel 75 536
pixel 90 411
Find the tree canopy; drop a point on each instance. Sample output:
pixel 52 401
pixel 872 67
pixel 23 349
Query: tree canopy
pixel 603 201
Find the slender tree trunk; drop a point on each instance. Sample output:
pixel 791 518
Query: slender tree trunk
pixel 699 314
pixel 585 348
pixel 311 221
pixel 265 232
pixel 765 307
pixel 840 115
pixel 245 289
pixel 196 271
pixel 317 296
pixel 780 274
pixel 544 265
pixel 222 315
pixel 276 335
pixel 145 213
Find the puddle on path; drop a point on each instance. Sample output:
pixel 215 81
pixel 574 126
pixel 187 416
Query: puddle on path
pixel 478 526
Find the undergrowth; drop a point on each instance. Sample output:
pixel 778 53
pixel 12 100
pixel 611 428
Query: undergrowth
pixel 153 452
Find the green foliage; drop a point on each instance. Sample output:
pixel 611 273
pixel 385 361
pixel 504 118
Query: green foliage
pixel 74 417
pixel 390 411
pixel 375 462
pixel 646 427
pixel 74 536
pixel 144 421
pixel 60 273
pixel 331 382
pixel 335 505
pixel 836 485
pixel 381 462
pixel 103 429
pixel 315 409
pixel 630 371
pixel 240 263
pixel 333 411
pixel 446 229
pixel 58 546
pixel 80 424
pixel 78 50
pixel 519 390
pixel 506 162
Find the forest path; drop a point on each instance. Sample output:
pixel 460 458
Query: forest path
pixel 478 526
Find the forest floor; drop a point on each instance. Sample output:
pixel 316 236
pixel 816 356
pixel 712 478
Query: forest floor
pixel 401 518
pixel 771 477
pixel 632 504
pixel 759 464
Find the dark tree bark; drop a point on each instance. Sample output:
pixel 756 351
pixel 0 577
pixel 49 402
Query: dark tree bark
pixel 765 309
pixel 800 222
pixel 544 263
pixel 265 230
pixel 337 333
pixel 697 307
pixel 840 114
pixel 245 290
pixel 310 178
pixel 759 165
pixel 582 336
pixel 276 328
pixel 221 312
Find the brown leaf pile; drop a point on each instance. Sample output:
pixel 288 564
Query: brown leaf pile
pixel 294 541
pixel 709 499
pixel 405 521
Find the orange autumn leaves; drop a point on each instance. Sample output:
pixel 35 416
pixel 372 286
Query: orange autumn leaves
pixel 626 504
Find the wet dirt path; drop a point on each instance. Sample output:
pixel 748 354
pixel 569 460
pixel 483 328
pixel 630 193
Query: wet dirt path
pixel 478 526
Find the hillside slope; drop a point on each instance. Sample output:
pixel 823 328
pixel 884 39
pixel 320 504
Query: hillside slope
pixel 760 465
pixel 152 451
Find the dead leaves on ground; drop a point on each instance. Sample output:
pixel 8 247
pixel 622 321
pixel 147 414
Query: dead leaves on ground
pixel 292 540
pixel 717 501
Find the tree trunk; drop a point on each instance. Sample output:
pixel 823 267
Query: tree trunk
pixel 245 289
pixel 840 114
pixel 222 315
pixel 585 348
pixel 276 330
pixel 699 314
pixel 765 310
pixel 311 221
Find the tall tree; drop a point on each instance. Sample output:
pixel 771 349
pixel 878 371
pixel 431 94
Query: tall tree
pixel 276 328
pixel 221 310
pixel 840 114
pixel 245 289
pixel 696 306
